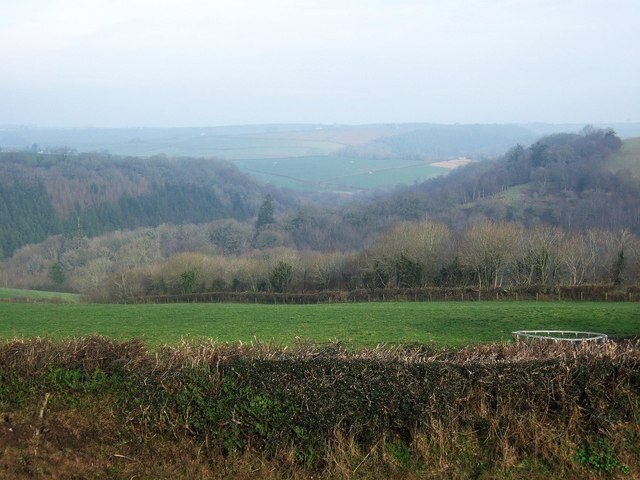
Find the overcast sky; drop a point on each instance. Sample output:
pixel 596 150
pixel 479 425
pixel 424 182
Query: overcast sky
pixel 172 63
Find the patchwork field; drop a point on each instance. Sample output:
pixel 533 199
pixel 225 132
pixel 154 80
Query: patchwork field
pixel 438 323
pixel 338 173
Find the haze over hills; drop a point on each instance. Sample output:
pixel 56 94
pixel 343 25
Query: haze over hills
pixel 104 213
pixel 306 157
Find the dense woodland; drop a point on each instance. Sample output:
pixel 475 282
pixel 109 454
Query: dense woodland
pixel 550 214
pixel 55 193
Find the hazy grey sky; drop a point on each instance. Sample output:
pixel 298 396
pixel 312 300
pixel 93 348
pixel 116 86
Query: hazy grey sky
pixel 216 62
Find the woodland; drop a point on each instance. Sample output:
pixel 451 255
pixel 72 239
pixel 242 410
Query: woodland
pixel 553 213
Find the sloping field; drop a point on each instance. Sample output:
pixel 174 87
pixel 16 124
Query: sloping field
pixel 362 324
pixel 16 293
pixel 338 173
pixel 628 157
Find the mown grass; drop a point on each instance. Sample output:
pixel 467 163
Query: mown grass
pixel 11 293
pixel 361 324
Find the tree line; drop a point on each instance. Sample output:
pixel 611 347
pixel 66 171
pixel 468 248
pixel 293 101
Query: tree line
pixel 189 259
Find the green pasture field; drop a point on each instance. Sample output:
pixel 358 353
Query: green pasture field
pixel 10 293
pixel 360 324
pixel 337 172
pixel 628 157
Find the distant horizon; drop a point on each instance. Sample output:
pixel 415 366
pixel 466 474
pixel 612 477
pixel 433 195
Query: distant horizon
pixel 305 124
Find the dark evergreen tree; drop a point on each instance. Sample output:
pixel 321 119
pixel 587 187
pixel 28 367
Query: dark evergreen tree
pixel 265 214
pixel 280 277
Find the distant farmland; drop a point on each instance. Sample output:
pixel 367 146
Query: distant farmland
pixel 300 157
pixel 338 173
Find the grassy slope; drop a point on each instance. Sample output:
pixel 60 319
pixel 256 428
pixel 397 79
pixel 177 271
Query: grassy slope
pixel 628 157
pixel 11 293
pixel 442 323
pixel 336 172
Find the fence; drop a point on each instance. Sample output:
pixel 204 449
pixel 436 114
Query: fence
pixel 580 293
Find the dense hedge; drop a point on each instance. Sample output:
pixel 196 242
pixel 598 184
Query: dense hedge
pixel 524 399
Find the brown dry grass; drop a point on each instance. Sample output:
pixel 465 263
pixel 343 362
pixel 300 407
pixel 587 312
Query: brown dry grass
pixel 503 425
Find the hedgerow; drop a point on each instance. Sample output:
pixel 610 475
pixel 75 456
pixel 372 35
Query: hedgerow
pixel 492 406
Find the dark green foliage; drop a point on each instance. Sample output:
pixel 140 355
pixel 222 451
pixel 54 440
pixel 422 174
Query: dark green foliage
pixel 453 275
pixel 409 272
pixel 265 214
pixel 188 281
pixel 599 455
pixel 280 277
pixel 57 274
pixel 618 268
pixel 26 215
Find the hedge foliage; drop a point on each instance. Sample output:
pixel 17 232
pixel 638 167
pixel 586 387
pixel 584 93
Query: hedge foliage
pixel 517 397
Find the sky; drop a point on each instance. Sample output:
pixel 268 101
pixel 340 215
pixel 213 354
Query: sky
pixel 175 63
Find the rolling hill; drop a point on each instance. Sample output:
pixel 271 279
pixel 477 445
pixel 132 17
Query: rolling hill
pixel 46 194
pixel 575 181
pixel 326 158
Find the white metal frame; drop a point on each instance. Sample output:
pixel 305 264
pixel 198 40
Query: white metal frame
pixel 560 335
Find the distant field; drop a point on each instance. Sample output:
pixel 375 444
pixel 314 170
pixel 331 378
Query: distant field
pixel 231 147
pixel 338 173
pixel 628 157
pixel 9 293
pixel 232 142
pixel 439 323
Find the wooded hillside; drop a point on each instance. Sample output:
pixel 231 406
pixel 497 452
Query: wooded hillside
pixel 48 194
pixel 563 180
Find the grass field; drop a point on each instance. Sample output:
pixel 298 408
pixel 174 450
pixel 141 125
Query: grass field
pixel 9 293
pixel 628 157
pixel 338 173
pixel 439 323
